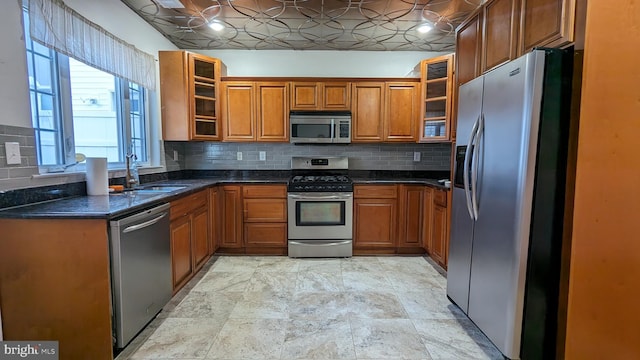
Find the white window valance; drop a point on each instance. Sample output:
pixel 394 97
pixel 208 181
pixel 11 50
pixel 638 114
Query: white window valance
pixel 59 27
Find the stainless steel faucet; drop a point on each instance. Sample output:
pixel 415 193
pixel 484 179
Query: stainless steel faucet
pixel 130 181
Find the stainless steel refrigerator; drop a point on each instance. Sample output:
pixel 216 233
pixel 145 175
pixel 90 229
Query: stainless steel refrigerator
pixel 508 201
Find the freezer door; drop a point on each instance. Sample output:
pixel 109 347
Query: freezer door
pixel 458 268
pixel 506 163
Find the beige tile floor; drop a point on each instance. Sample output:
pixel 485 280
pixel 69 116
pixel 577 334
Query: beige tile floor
pixel 241 307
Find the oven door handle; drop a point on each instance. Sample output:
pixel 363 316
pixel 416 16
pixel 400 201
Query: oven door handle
pixel 322 197
pixel 333 243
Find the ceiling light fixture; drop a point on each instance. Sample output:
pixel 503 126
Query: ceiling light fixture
pixel 424 28
pixel 216 26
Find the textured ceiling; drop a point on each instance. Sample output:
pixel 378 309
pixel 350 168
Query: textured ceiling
pixel 376 25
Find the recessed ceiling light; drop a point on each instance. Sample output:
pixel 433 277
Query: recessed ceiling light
pixel 216 26
pixel 424 28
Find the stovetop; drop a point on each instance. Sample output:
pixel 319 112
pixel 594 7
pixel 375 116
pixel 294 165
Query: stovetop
pixel 320 183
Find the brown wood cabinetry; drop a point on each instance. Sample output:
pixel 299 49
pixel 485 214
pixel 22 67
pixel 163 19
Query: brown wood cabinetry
pixel 427 218
pixel 189 236
pixel 230 197
pixel 255 111
pixel 375 214
pixel 468 48
pixel 265 218
pixel 55 285
pixel 320 96
pixel 439 241
pixel 189 92
pixel 437 98
pixel 411 201
pixel 214 220
pixel 499 33
pixel 401 111
pixel 548 23
pixel 367 111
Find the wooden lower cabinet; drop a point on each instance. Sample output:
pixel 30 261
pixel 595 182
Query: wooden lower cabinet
pixel 427 218
pixel 439 241
pixel 375 216
pixel 410 219
pixel 181 259
pixel 214 221
pixel 230 197
pixel 189 236
pixel 265 219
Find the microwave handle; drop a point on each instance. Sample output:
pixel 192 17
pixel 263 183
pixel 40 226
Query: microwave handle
pixel 333 130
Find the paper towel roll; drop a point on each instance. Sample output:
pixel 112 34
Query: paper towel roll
pixel 97 178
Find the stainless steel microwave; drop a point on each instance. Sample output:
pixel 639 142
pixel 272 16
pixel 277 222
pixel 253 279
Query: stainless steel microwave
pixel 320 127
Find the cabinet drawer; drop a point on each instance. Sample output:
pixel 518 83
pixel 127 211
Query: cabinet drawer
pixel 270 234
pixel 264 191
pixel 440 198
pixel 265 210
pixel 375 191
pixel 188 203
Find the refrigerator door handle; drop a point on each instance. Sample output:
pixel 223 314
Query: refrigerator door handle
pixel 474 167
pixel 465 169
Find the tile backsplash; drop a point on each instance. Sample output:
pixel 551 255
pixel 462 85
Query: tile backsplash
pixel 20 174
pixel 223 156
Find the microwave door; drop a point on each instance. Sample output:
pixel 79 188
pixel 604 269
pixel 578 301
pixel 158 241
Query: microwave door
pixel 312 132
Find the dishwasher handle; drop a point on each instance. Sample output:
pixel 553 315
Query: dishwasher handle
pixel 143 225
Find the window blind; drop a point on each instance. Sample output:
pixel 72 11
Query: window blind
pixel 59 27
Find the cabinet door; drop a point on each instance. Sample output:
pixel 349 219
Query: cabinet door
pixel 214 221
pixel 427 218
pixel 231 201
pixel 204 76
pixel 272 111
pixel 265 234
pixel 500 32
pixel 410 219
pixel 402 109
pixel 437 98
pixel 265 210
pixel 367 111
pixel 181 260
pixel 549 23
pixel 468 45
pixel 374 222
pixel 305 96
pixel 239 111
pixel 200 237
pixel 438 234
pixel 336 96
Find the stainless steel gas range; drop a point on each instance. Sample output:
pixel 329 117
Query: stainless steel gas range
pixel 320 207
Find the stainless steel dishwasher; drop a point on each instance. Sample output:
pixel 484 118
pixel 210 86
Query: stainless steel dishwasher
pixel 140 270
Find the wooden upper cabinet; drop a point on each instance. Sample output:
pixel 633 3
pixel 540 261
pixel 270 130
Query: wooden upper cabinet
pixel 549 23
pixel 238 108
pixel 468 47
pixel 401 113
pixel 499 33
pixel 272 112
pixel 189 93
pixel 255 111
pixel 320 96
pixel 437 98
pixel 336 96
pixel 367 111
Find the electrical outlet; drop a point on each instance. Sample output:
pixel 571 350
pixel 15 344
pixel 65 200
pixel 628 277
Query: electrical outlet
pixel 239 155
pixel 263 155
pixel 175 155
pixel 416 156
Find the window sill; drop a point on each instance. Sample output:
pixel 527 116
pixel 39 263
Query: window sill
pixel 114 172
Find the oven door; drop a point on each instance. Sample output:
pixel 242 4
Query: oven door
pixel 320 216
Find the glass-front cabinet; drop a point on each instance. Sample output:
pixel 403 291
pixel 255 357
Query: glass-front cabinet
pixel 189 91
pixel 437 98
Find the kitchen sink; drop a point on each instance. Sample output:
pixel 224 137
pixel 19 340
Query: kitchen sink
pixel 160 188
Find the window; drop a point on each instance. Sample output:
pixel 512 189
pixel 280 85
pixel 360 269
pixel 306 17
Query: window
pixel 77 108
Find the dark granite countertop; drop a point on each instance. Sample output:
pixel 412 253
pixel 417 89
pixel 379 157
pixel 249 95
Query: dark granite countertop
pixel 117 205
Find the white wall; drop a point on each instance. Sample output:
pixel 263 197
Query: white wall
pixel 297 63
pixel 14 86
